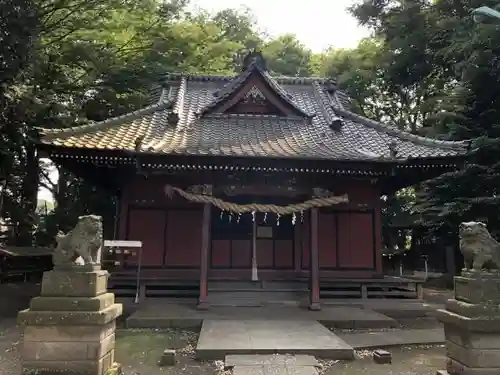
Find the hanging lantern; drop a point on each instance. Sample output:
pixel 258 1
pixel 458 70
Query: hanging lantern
pixel 301 216
pixel 278 220
pixel 294 218
pixel 265 217
pixel 238 219
pixel 253 216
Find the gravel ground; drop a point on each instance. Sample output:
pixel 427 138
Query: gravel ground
pixel 139 351
pixel 9 342
pixel 405 361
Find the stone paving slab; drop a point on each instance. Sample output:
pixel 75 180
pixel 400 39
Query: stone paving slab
pixel 163 314
pixel 404 309
pixel 219 338
pixel 368 340
pixel 275 370
pixel 276 364
pixel 259 359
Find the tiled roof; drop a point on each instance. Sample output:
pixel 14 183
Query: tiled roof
pixel 247 135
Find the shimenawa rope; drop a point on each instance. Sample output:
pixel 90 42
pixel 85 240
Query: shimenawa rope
pixel 254 207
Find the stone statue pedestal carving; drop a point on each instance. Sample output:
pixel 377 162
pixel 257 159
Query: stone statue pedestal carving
pixel 472 325
pixel 70 328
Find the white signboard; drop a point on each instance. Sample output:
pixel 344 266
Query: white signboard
pixel 120 243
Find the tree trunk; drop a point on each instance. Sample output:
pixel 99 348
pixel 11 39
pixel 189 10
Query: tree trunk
pixel 29 197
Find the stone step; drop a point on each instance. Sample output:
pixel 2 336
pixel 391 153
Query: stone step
pixel 370 340
pixel 272 364
pixel 219 338
pixel 233 360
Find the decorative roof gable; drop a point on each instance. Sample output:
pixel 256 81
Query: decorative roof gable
pixel 254 91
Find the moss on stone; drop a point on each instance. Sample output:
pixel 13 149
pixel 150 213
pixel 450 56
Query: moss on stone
pixel 115 369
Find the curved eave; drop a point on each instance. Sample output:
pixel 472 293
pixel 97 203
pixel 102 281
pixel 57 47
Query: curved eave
pixel 165 102
pixel 103 153
pixel 459 146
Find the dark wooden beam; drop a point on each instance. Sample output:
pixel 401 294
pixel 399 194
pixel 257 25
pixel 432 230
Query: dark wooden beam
pixel 109 178
pixel 412 176
pixel 314 262
pixel 204 253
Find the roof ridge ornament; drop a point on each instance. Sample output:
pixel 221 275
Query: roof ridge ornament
pixel 331 85
pixel 253 58
pixel 393 149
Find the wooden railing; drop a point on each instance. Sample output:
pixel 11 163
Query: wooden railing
pixel 24 262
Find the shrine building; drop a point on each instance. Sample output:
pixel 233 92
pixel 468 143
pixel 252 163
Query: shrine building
pixel 251 177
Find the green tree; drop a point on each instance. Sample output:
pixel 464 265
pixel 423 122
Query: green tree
pixel 412 75
pixel 472 192
pixel 94 60
pixel 359 72
pixel 287 56
pixel 443 70
pixel 79 45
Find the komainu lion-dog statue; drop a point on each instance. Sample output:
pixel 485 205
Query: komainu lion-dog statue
pixel 84 241
pixel 478 246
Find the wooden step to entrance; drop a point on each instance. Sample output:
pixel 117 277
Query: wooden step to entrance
pixel 257 285
pixel 150 288
pixel 257 293
pixel 257 298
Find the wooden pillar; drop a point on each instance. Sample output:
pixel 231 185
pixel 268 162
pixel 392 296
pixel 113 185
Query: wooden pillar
pixel 205 243
pixel 314 262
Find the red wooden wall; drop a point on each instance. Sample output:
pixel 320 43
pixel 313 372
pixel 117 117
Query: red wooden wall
pixel 170 230
pixel 349 235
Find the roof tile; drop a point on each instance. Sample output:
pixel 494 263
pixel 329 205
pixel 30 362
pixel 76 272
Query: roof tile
pixel 251 135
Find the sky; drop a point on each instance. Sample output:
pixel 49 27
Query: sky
pixel 318 24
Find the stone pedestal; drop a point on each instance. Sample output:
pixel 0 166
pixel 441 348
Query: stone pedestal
pixel 70 328
pixel 472 325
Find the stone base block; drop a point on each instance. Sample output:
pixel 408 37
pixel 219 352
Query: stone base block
pixel 56 367
pixel 488 324
pixel 66 350
pixel 478 287
pixel 314 306
pixel 382 357
pixel 115 369
pixel 472 310
pixel 59 283
pixel 78 350
pixel 90 334
pixel 456 368
pixel 472 340
pixel 203 306
pixel 474 358
pixel 70 318
pixel 168 358
pixel 73 303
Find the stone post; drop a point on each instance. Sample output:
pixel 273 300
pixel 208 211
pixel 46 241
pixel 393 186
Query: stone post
pixel 472 325
pixel 70 328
